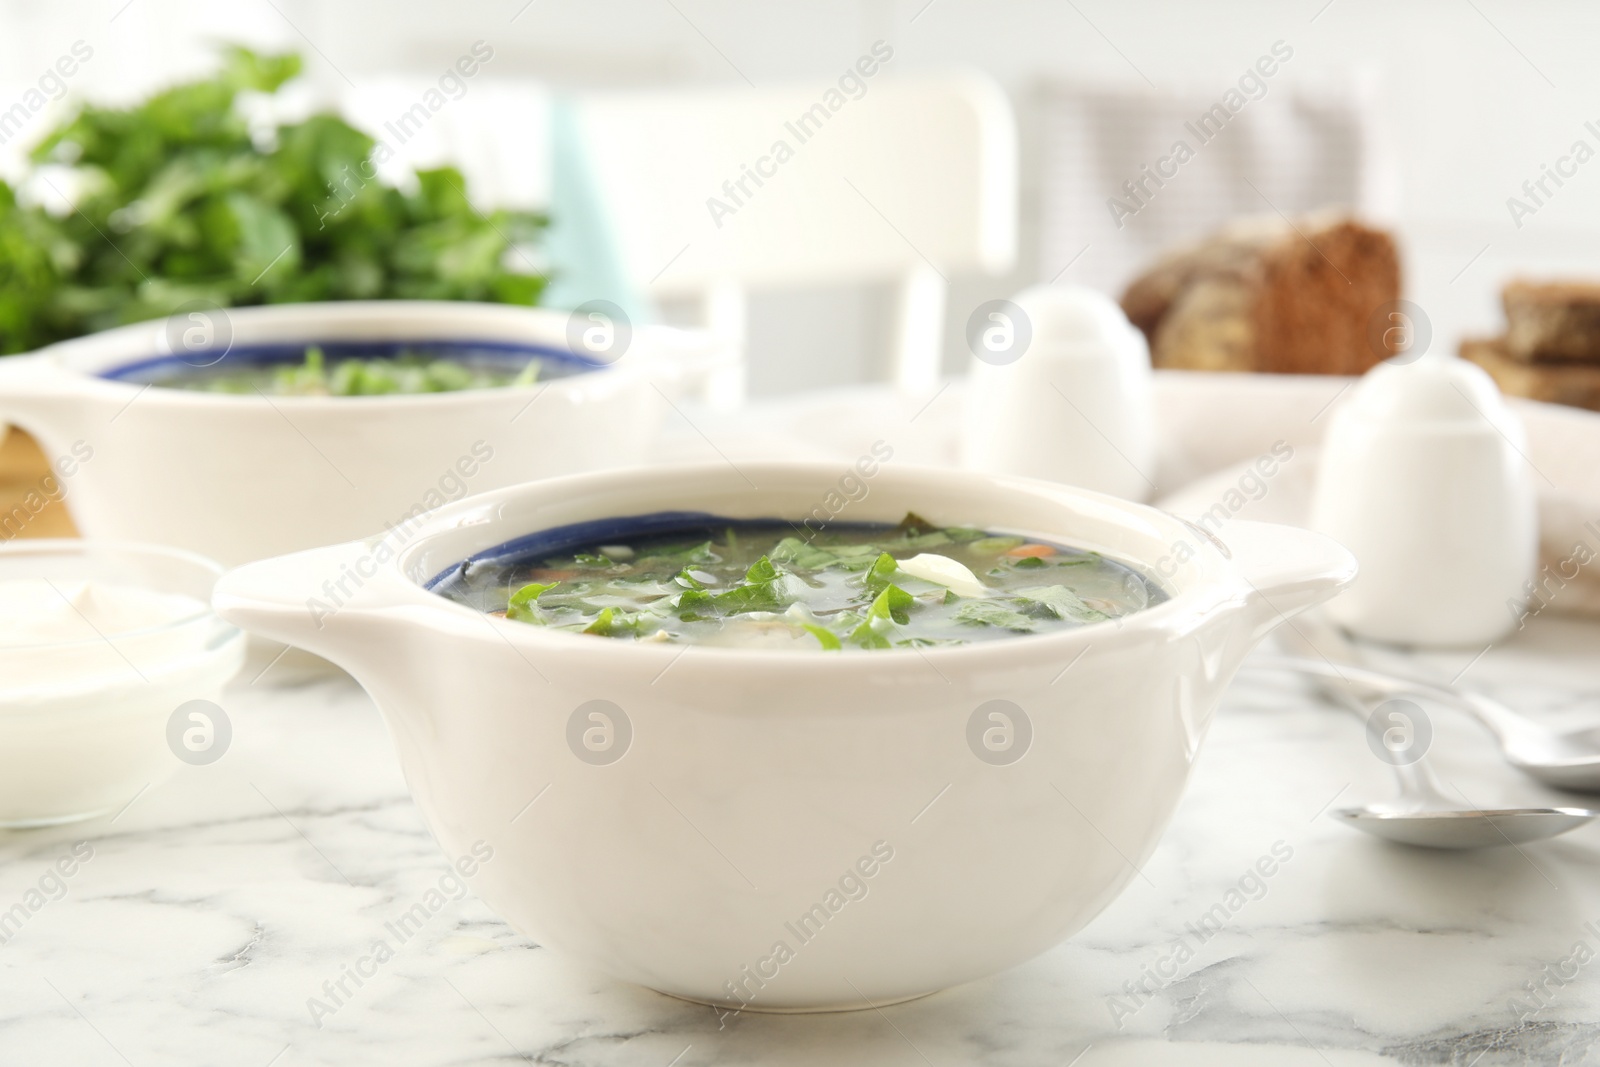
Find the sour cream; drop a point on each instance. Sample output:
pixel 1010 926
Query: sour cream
pixel 95 669
pixel 35 611
pixel 60 637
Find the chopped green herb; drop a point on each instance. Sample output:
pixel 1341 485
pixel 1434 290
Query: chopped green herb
pixel 928 540
pixel 615 622
pixel 881 573
pixel 695 605
pixel 826 638
pixel 803 554
pixel 992 613
pixel 761 570
pixel 521 606
pixel 893 605
pixel 531 592
pixel 993 546
pixel 764 585
pixel 913 525
pixel 1062 602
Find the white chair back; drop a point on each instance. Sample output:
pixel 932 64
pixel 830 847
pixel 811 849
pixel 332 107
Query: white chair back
pixel 717 193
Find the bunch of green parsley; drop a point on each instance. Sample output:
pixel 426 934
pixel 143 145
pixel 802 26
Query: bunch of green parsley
pixel 177 201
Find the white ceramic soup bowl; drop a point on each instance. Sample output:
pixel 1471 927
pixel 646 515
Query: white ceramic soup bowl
pixel 244 477
pixel 793 831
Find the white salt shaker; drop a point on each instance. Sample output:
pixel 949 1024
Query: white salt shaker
pixel 1423 478
pixel 1060 389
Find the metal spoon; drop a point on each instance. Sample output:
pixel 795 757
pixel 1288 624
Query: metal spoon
pixel 1423 815
pixel 1564 760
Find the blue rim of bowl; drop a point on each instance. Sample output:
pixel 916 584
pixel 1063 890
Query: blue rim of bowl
pixel 287 352
pixel 616 529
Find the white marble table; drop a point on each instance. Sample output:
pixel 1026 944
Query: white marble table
pixel 216 905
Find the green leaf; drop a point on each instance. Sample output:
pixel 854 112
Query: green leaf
pixel 267 241
pixel 764 590
pixel 762 570
pixel 522 606
pixel 993 613
pixel 444 191
pixel 263 73
pixel 761 596
pixel 892 606
pixel 531 592
pixel 177 198
pixel 803 554
pixel 927 540
pixel 1027 563
pixel 854 551
pixel 881 573
pixel 695 604
pixel 827 638
pixel 963 534
pixel 995 545
pixel 684 557
pixel 1062 602
pixel 617 622
pixel 913 525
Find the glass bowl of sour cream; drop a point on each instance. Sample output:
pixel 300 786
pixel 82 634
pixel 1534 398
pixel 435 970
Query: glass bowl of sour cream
pixel 101 644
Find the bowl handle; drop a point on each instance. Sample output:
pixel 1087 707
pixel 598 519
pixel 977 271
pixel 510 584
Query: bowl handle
pixel 35 395
pixel 1285 569
pixel 329 601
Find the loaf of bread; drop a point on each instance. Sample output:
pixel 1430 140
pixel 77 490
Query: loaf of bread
pixel 1552 321
pixel 1271 295
pixel 1575 384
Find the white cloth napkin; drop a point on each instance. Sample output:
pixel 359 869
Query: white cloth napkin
pixel 1252 144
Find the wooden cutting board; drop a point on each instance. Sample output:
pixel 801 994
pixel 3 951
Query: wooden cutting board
pixel 26 509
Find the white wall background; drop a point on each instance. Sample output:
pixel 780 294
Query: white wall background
pixel 1478 95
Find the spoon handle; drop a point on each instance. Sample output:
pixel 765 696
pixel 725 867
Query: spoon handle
pixel 1314 636
pixel 1417 782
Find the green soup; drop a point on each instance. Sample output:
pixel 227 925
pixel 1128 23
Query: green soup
pixel 399 370
pixel 772 585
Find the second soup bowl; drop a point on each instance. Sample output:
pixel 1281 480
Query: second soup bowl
pixel 241 477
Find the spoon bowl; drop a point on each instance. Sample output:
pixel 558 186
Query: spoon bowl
pixel 1569 761
pixel 1464 829
pixel 1424 816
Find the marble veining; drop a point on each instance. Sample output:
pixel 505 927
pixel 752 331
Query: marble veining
pixel 216 908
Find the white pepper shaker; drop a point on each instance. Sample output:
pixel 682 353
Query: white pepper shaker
pixel 1060 389
pixel 1423 476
